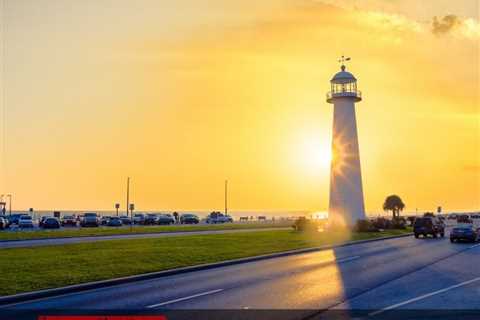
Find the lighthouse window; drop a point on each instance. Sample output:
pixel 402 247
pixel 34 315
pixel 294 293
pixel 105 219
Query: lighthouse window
pixel 344 87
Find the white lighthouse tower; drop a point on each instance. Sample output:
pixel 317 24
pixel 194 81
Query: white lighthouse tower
pixel 346 193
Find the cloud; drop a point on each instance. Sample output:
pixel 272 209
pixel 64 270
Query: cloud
pixel 445 24
pixel 452 24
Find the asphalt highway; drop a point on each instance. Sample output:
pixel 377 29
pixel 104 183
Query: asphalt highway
pixel 402 273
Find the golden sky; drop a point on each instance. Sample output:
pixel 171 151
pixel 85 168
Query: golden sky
pixel 183 94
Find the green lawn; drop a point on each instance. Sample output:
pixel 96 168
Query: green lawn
pixel 104 231
pixel 28 269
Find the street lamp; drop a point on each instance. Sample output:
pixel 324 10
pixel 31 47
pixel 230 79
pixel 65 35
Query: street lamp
pixel 226 197
pixel 9 204
pixel 131 207
pixel 128 194
pixel 3 204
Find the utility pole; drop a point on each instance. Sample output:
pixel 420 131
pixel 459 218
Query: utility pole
pixel 3 204
pixel 128 195
pixel 9 204
pixel 226 197
pixel 132 207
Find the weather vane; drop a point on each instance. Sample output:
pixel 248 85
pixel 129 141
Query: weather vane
pixel 342 60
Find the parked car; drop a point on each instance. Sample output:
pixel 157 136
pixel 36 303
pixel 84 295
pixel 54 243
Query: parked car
pixel 452 216
pixel 139 218
pixel 189 219
pixel 125 220
pixel 89 219
pixel 428 225
pixel 475 219
pixel 165 219
pixel 51 223
pixel 464 218
pixel 150 219
pixel 465 231
pixel 69 221
pixel 114 222
pixel 104 220
pixel 218 217
pixel 6 221
pixel 3 223
pixel 13 219
pixel 42 220
pixel 25 221
pixel 411 220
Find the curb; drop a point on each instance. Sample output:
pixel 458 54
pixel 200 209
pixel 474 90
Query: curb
pixel 28 296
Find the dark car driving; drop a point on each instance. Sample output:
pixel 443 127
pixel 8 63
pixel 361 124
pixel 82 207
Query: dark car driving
pixel 428 226
pixel 89 219
pixel 465 232
pixel 51 223
pixel 189 219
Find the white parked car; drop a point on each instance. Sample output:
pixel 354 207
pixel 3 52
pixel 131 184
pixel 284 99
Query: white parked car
pixel 138 218
pixel 25 222
pixel 218 217
pixel 475 217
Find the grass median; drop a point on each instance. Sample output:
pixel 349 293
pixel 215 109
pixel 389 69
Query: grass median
pixel 107 231
pixel 29 269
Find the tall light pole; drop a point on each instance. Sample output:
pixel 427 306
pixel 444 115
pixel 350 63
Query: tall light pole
pixel 9 204
pixel 131 207
pixel 128 195
pixel 226 197
pixel 2 204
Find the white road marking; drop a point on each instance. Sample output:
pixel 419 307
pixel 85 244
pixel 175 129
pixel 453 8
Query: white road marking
pixel 347 259
pixel 184 298
pixel 474 246
pixel 424 296
pixel 218 290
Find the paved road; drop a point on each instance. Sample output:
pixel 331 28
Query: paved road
pixel 73 240
pixel 403 273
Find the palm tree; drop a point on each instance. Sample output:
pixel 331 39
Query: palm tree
pixel 395 204
pixel 175 216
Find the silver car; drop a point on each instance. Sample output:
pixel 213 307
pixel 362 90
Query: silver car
pixel 25 222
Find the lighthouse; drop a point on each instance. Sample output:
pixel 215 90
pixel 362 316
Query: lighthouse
pixel 346 205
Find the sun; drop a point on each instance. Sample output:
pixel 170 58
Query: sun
pixel 316 154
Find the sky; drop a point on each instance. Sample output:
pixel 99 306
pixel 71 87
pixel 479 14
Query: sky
pixel 181 95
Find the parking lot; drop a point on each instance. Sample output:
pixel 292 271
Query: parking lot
pixel 95 227
pixel 34 222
